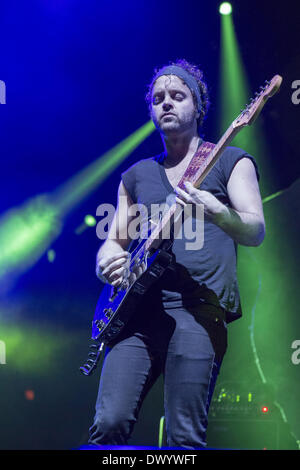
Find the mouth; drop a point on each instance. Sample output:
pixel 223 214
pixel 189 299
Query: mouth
pixel 167 114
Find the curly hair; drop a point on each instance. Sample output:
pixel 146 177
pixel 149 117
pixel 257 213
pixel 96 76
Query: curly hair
pixel 198 75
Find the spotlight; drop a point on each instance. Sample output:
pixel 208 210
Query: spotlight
pixel 225 8
pixel 90 221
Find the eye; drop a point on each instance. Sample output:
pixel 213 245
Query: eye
pixel 156 99
pixel 179 96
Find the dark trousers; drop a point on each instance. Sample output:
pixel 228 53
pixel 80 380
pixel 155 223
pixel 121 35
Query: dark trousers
pixel 183 345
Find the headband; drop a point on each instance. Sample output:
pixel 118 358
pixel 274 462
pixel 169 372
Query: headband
pixel 189 80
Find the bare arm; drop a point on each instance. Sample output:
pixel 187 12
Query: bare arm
pixel 112 256
pixel 244 220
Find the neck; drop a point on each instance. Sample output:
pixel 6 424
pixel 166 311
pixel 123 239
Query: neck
pixel 179 147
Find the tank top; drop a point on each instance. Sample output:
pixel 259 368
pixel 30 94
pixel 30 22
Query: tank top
pixel 206 275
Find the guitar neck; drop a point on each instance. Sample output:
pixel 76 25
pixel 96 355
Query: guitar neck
pixel 208 162
pixel 201 164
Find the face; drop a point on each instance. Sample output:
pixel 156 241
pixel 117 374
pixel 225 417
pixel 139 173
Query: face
pixel 172 108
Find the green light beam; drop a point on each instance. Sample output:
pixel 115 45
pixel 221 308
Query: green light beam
pixel 81 185
pixel 26 232
pixel 257 268
pixel 34 348
pixel 235 94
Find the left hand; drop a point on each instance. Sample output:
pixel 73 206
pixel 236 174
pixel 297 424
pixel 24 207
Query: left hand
pixel 213 208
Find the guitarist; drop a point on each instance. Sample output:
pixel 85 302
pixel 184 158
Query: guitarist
pixel 180 328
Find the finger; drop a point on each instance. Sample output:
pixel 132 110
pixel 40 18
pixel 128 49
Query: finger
pixel 116 256
pixel 116 274
pixel 132 278
pixel 135 268
pixel 180 191
pixel 144 267
pixel 104 262
pixel 180 201
pixel 117 282
pixel 115 264
pixel 139 271
pixel 183 195
pixel 190 188
pixel 188 184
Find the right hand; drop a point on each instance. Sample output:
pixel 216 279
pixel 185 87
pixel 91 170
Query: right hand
pixel 113 268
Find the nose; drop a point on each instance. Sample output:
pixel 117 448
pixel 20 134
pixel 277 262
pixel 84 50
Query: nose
pixel 167 104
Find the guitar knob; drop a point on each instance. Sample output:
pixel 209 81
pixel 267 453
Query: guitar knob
pixel 100 324
pixel 108 312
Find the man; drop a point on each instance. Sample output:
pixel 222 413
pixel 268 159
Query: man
pixel 180 328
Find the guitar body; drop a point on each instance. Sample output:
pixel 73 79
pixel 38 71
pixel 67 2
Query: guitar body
pixel 115 306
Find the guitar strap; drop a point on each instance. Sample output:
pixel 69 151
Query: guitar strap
pixel 197 165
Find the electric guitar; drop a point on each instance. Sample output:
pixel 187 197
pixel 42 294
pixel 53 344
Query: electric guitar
pixel 116 305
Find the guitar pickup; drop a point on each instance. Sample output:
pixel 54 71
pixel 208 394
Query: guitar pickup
pixel 108 312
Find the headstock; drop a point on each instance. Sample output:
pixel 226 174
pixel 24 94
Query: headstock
pixel 252 110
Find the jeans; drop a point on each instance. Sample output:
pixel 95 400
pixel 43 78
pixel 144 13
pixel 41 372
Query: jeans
pixel 183 345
